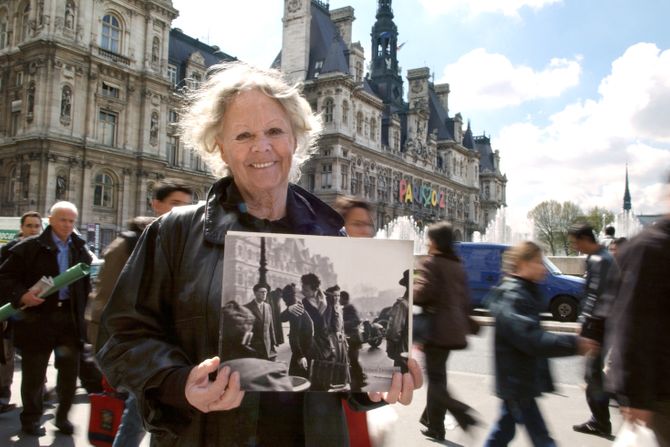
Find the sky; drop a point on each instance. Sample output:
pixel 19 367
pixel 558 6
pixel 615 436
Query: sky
pixel 570 91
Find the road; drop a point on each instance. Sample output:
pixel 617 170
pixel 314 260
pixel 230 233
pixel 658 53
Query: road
pixel 470 380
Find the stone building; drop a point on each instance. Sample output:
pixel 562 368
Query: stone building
pixel 88 92
pixel 405 156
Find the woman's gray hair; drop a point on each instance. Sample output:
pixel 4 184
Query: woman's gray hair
pixel 201 120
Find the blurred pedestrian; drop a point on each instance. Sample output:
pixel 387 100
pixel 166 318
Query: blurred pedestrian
pixel 615 245
pixel 522 347
pixel 599 263
pixel 609 236
pixel 357 216
pixel 160 339
pixel 31 225
pixel 440 288
pixel 638 336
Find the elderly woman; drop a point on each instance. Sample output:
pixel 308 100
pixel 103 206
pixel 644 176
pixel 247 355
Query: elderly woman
pixel 161 326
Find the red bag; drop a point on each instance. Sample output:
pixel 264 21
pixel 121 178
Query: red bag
pixel 106 411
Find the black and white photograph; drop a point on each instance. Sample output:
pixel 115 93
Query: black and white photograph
pixel 315 313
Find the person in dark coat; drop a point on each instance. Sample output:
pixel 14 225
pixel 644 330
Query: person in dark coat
pixel 440 288
pixel 397 329
pixel 263 339
pixel 522 347
pixel 159 339
pixel 637 334
pixel 53 324
pixel 31 225
pixel 300 336
pixel 352 325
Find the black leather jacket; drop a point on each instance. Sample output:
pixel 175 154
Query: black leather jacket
pixel 164 316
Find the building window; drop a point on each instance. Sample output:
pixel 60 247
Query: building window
pixel 19 78
pixel 172 75
pixel 25 23
pixel 103 193
pixel 373 129
pixel 111 33
pixel 173 116
pixel 172 148
pixel 359 123
pixel 396 140
pixel 107 127
pixel 328 106
pixel 14 127
pixel 345 113
pixel 327 176
pixel 110 91
pixel 196 79
pixel 344 179
pixel 310 182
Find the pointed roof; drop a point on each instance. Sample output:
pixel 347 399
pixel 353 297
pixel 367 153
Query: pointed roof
pixel 486 156
pixel 468 140
pixel 627 204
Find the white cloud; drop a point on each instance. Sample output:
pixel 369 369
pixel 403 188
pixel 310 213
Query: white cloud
pixel 581 154
pixel 484 80
pixel 473 7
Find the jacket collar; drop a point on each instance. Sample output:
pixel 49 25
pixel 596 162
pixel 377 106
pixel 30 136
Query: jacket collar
pixel 46 239
pixel 305 214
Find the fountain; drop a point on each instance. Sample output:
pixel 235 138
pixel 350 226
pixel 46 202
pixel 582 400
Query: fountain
pixel 500 232
pixel 404 228
pixel 626 225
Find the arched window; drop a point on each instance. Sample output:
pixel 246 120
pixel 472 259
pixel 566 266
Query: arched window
pixel 25 22
pixel 359 123
pixel 111 34
pixel 328 106
pixel 3 29
pixel 345 113
pixel 103 194
pixel 373 129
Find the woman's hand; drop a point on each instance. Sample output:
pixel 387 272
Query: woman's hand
pixel 402 386
pixel 222 394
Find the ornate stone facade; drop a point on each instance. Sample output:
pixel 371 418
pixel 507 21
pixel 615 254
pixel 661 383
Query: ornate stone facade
pixel 406 158
pixel 87 99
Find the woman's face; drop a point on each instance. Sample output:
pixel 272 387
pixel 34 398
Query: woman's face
pixel 257 142
pixel 358 223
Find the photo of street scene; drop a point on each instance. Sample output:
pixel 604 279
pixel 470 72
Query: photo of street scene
pixel 315 313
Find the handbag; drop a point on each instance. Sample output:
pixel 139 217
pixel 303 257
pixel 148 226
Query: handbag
pixel 635 435
pixel 106 411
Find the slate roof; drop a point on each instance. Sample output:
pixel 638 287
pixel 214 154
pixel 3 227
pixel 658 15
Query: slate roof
pixel 183 46
pixel 483 146
pixel 325 44
pixel 438 117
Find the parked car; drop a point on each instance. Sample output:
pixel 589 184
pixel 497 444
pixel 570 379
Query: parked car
pixel 483 264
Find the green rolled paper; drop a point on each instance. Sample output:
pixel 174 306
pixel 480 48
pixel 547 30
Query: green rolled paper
pixel 74 273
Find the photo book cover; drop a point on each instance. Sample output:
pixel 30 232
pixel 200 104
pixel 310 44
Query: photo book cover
pixel 315 313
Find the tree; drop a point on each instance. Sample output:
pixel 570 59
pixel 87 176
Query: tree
pixel 599 218
pixel 551 220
